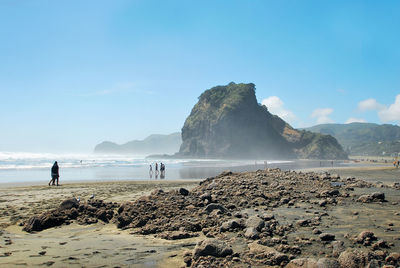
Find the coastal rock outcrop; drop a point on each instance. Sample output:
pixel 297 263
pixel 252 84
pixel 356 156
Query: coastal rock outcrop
pixel 71 209
pixel 228 122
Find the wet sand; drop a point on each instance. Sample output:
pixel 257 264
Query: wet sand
pixel 104 245
pixel 98 245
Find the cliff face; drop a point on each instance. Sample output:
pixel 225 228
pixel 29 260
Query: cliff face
pixel 227 122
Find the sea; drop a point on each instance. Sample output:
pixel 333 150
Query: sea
pixel 20 167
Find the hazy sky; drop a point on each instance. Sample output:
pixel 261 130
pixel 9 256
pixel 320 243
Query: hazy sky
pixel 75 73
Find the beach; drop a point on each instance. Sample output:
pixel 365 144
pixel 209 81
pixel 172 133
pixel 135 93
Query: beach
pixel 104 245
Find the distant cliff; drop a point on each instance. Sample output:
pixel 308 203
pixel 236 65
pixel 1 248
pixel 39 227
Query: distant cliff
pixel 153 144
pixel 364 138
pixel 228 122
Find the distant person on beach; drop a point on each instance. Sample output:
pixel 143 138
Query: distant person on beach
pixel 156 168
pixel 54 174
pixel 151 171
pixel 162 169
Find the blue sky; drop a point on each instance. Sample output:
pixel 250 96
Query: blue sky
pixel 75 73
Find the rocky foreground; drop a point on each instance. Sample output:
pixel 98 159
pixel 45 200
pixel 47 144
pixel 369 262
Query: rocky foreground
pixel 263 218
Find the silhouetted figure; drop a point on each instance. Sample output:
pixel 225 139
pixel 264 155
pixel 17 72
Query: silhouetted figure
pixel 151 171
pixel 156 169
pixel 162 170
pixel 54 174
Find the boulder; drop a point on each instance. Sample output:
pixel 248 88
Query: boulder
pixel 366 237
pixel 255 222
pixel 69 203
pixel 211 247
pixel 231 225
pixel 303 223
pixel 351 258
pixel 327 237
pixel 183 191
pixel 374 197
pixel 252 233
pixel 393 258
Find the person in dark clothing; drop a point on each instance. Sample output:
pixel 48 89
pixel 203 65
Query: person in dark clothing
pixel 54 174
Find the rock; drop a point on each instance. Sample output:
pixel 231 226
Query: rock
pixel 378 196
pixel 206 196
pixel 252 233
pixel 231 225
pixel 213 206
pixel 380 244
pixel 352 259
pixel 366 237
pixel 302 262
pixel 255 222
pixel 303 223
pixel 228 122
pixel 34 224
pixel 322 203
pixel 211 247
pixel 183 191
pixel 393 258
pixel 374 197
pixel 316 231
pixel 69 203
pixel 327 263
pixel 101 214
pixel 268 253
pixel 327 237
pixel 267 217
pixel 338 247
pixel 176 235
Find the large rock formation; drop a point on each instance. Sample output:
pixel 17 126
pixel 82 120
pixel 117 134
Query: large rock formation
pixel 228 122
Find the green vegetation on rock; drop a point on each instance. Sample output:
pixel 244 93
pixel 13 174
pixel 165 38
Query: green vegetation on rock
pixel 228 122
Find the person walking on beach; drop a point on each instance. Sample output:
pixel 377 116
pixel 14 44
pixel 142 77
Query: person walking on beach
pixel 54 174
pixel 156 168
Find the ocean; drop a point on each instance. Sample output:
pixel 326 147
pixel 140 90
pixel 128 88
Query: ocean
pixel 35 167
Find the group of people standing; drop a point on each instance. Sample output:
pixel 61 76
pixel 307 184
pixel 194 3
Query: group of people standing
pixel 161 172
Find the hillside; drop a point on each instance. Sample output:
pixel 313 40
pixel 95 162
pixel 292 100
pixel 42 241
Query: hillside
pixel 228 122
pixel 153 144
pixel 364 138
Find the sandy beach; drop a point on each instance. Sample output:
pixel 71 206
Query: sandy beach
pixel 98 245
pixel 104 245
